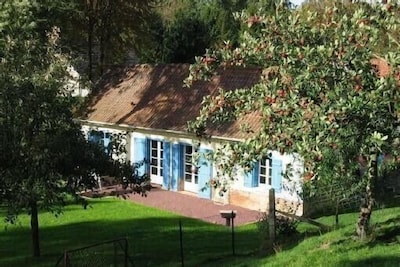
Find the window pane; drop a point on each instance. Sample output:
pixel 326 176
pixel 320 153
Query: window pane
pixel 196 179
pixel 154 153
pixel 154 162
pixel 262 179
pixel 188 149
pixel 262 171
pixel 154 170
pixel 153 144
pixel 188 177
pixel 188 168
pixel 161 145
pixel 161 172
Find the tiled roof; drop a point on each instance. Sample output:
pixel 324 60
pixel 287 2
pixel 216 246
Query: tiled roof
pixel 154 97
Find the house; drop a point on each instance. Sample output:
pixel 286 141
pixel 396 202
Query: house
pixel 151 105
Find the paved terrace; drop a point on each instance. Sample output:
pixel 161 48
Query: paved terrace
pixel 189 205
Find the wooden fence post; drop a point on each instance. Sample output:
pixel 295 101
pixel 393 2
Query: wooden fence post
pixel 271 215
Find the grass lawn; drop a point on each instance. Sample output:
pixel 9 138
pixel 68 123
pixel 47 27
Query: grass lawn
pixel 153 235
pixel 154 239
pixel 335 248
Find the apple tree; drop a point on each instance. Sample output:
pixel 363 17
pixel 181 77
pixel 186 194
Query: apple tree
pixel 324 90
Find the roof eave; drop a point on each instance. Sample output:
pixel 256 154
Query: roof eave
pixel 130 128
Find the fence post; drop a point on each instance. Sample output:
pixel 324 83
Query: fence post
pixel 181 243
pixel 271 215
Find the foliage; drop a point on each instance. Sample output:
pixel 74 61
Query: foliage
pixel 285 226
pixel 319 92
pixel 44 155
pixel 99 33
pixel 127 173
pixel 186 29
pixel 263 232
pixel 186 36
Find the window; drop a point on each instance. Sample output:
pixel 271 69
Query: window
pixel 156 157
pixel 265 172
pixel 190 170
pixel 103 139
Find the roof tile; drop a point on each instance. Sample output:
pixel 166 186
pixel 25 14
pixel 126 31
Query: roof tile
pixel 155 97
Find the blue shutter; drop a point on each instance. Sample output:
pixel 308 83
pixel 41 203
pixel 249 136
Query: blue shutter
pixel 204 174
pixel 256 174
pixel 248 179
pixel 141 153
pixel 177 165
pixel 107 143
pixel 251 178
pixel 166 165
pixel 277 174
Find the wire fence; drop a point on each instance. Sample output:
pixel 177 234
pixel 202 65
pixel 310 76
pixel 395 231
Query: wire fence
pixel 107 253
pixel 175 243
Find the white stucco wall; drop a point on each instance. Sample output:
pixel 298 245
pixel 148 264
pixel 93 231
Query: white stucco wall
pixel 291 187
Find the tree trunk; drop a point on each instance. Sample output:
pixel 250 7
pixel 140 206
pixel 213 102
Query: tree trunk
pixel 35 229
pixel 91 7
pixel 367 203
pixel 89 47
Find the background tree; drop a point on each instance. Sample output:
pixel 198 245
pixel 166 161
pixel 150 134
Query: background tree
pixel 100 32
pixel 185 29
pixel 319 92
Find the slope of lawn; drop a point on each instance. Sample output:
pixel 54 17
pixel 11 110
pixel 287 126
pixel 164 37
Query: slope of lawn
pixel 153 235
pixel 336 248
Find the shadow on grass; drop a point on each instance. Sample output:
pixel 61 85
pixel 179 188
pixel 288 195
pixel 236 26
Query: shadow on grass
pixel 152 241
pixel 372 262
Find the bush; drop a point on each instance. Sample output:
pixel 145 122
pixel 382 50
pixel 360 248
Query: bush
pixel 285 226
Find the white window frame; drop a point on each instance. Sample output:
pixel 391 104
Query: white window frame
pixel 189 169
pixel 265 172
pixel 159 158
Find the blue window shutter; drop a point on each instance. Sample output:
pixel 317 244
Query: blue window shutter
pixel 166 165
pixel 177 165
pixel 277 174
pixel 256 174
pixel 107 143
pixel 248 178
pixel 251 178
pixel 141 153
pixel 205 174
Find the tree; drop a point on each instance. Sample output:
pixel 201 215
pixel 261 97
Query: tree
pixel 320 92
pixel 43 153
pixel 192 27
pixel 100 32
pixel 186 37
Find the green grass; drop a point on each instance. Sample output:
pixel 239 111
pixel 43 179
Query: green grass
pixel 153 235
pixel 336 248
pixel 154 239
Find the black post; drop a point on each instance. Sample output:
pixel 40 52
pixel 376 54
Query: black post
pixel 233 234
pixel 181 242
pixel 126 252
